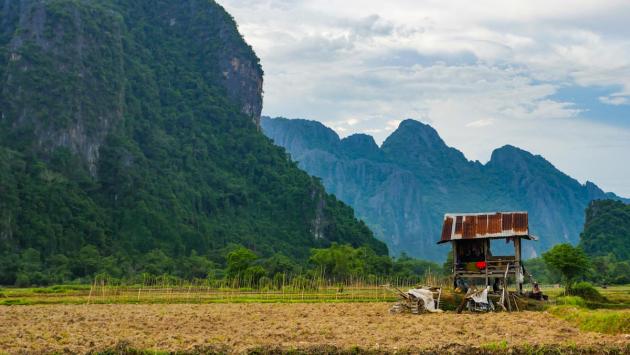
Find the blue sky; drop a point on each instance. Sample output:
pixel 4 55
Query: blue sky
pixel 546 76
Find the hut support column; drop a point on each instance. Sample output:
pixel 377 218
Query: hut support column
pixel 517 257
pixel 486 247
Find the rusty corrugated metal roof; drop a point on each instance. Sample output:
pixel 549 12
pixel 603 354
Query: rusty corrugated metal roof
pixel 485 225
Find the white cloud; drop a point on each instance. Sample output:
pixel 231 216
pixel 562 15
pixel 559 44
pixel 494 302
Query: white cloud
pixel 615 99
pixel 481 123
pixel 362 65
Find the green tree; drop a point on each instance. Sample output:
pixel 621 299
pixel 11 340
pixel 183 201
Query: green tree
pixel 541 272
pixel 405 266
pixel 156 262
pixel 239 260
pixel 88 261
pixel 279 264
pixel 336 261
pixel 197 266
pixel 30 269
pixel 59 268
pixel 571 262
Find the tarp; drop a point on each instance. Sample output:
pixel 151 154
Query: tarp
pixel 426 296
pixel 481 297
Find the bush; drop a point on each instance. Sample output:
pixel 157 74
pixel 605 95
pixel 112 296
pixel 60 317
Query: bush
pixel 576 301
pixel 22 280
pixel 586 291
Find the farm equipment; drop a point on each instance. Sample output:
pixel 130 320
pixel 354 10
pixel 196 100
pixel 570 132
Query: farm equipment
pixel 477 301
pixel 418 300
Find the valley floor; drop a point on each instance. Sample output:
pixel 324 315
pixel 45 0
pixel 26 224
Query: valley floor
pixel 247 326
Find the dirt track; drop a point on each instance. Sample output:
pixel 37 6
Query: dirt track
pixel 238 327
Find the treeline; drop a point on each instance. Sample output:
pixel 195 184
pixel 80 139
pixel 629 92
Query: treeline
pixel 602 270
pixel 563 259
pixel 336 262
pixel 603 255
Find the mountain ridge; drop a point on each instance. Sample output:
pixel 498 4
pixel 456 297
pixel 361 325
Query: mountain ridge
pixel 414 178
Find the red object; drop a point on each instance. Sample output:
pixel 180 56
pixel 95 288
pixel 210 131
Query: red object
pixel 480 265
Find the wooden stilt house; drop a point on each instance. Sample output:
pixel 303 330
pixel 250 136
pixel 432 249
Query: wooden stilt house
pixel 470 235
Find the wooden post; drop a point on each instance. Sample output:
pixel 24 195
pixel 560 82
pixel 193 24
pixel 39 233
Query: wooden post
pixel 454 266
pixel 486 244
pixel 517 256
pixel 454 251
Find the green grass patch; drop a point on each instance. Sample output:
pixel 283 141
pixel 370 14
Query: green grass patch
pixel 600 320
pixel 60 289
pixel 575 301
pixel 586 291
pixel 501 346
pixel 16 302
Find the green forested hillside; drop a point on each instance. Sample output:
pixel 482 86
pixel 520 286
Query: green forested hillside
pixel 129 143
pixel 607 230
pixel 604 239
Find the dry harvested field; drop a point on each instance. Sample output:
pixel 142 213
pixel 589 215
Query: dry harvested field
pixel 243 327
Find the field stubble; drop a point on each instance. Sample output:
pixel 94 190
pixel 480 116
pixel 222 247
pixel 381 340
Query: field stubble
pixel 243 327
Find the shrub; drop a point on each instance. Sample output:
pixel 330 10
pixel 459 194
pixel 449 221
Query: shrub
pixel 586 291
pixel 22 280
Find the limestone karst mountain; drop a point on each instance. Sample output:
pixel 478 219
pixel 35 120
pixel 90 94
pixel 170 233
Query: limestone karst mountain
pixel 403 188
pixel 129 131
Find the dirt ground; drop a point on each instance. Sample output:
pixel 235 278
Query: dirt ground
pixel 242 327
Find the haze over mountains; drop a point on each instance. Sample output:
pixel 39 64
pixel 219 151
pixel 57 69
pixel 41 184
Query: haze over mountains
pixel 403 188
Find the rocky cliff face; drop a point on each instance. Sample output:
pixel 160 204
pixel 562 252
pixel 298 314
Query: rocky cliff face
pixel 403 188
pixel 57 42
pixel 68 56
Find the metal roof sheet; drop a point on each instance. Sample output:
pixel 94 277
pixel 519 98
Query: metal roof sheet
pixel 485 225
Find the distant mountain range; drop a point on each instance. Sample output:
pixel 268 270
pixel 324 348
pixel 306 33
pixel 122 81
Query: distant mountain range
pixel 402 188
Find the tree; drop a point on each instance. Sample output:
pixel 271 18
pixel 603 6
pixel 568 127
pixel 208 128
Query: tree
pixel 336 261
pixel 239 260
pixel 196 266
pixel 571 262
pixel 408 267
pixel 156 262
pixel 280 263
pixel 88 261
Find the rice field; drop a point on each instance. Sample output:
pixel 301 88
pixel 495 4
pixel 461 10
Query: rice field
pixel 323 317
pixel 248 327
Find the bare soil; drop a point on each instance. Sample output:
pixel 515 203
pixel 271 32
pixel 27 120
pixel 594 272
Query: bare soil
pixel 243 327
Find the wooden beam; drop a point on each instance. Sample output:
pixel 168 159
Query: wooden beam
pixel 486 247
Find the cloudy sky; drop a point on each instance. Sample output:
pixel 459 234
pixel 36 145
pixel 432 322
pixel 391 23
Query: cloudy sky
pixel 548 76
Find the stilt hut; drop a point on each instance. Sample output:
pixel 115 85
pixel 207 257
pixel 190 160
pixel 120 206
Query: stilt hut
pixel 470 235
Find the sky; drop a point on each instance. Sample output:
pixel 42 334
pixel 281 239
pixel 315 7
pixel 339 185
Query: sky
pixel 551 77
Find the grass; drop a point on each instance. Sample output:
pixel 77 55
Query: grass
pixel 600 320
pixel 610 314
pixel 501 346
pixel 575 301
